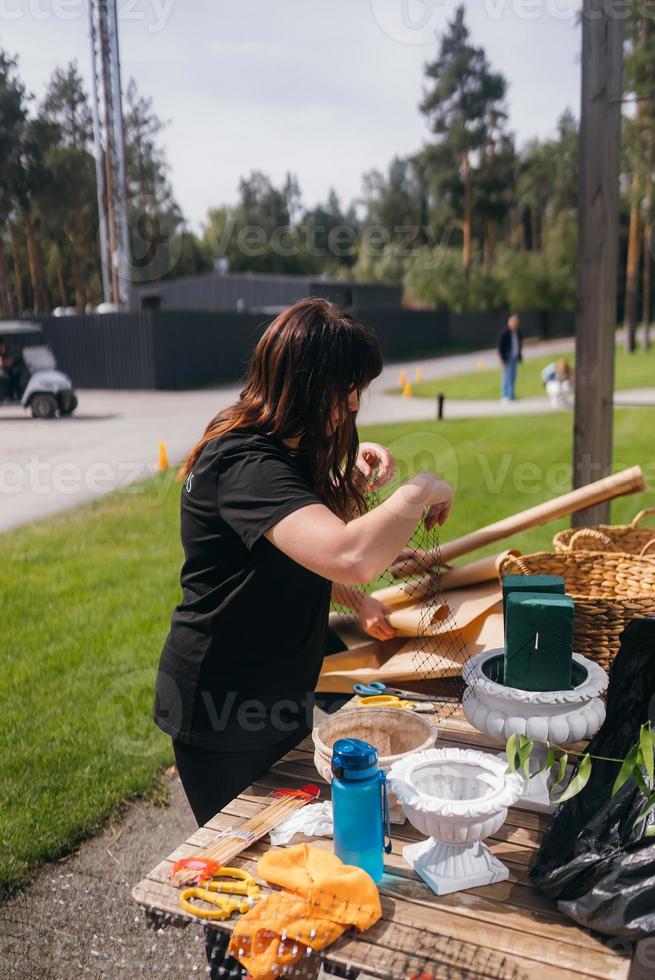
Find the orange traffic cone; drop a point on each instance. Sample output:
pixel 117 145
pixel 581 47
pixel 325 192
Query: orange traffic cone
pixel 407 390
pixel 418 375
pixel 403 378
pixel 163 457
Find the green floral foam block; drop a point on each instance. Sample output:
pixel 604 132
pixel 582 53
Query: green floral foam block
pixel 539 641
pixel 530 583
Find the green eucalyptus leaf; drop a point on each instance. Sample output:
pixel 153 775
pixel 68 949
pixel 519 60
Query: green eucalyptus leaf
pixel 626 770
pixel 646 749
pixel 550 760
pixel 638 777
pixel 510 750
pixel 578 782
pixel 524 756
pixel 561 769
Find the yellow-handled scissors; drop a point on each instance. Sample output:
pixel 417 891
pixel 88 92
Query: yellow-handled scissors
pixel 384 701
pixel 377 693
pixel 216 893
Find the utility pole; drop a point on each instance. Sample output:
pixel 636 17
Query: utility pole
pixel 597 259
pixel 109 145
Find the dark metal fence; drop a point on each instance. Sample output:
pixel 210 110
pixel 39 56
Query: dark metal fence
pixel 112 350
pixel 160 349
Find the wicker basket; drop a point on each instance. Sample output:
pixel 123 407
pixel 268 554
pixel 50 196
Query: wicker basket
pixel 630 539
pixel 608 590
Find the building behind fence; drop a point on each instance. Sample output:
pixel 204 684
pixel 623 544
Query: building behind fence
pixel 231 292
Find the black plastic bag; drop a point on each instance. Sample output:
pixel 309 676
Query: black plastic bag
pixel 593 860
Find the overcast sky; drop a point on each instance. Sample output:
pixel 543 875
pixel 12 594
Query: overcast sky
pixel 325 88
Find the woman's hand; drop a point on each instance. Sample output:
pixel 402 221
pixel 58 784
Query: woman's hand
pixel 371 615
pixel 372 456
pixel 431 492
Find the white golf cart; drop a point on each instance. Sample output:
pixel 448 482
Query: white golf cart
pixel 29 375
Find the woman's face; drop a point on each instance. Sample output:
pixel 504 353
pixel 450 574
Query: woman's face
pixel 341 409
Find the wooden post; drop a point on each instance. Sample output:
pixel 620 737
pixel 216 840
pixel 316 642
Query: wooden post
pixel 598 204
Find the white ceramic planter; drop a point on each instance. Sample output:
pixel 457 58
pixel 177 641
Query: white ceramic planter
pixel 394 732
pixel 554 716
pixel 456 797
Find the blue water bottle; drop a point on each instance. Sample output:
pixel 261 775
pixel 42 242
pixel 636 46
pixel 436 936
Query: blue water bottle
pixel 360 806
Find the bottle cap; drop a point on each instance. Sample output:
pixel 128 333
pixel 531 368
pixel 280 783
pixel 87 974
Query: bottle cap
pixel 352 755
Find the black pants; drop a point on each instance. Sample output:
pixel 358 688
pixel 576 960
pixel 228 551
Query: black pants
pixel 211 779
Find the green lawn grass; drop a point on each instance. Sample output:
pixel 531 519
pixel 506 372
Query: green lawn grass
pixel 87 598
pixel 632 371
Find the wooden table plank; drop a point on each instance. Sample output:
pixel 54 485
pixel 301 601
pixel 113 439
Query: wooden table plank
pixel 547 938
pixel 508 930
pixel 397 944
pixel 522 850
pixel 558 940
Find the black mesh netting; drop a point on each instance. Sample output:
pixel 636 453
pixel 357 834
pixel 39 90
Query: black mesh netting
pixel 428 652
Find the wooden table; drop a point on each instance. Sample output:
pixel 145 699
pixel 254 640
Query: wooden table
pixel 506 930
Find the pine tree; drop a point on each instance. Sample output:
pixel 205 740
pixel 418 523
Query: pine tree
pixel 13 116
pixel 155 219
pixel 463 103
pixel 69 210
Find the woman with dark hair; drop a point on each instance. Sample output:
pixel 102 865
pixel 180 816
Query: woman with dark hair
pixel 272 514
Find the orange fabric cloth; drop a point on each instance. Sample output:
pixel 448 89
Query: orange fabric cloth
pixel 324 897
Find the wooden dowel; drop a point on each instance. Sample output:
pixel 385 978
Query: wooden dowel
pixel 617 485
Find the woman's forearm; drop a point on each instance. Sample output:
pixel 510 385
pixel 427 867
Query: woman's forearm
pixel 356 552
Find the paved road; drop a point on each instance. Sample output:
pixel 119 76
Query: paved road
pixel 78 919
pixel 113 439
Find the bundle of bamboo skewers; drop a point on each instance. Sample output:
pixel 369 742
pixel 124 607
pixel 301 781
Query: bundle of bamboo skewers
pixel 230 843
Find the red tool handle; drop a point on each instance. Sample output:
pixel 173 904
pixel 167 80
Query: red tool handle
pixel 205 867
pixel 308 792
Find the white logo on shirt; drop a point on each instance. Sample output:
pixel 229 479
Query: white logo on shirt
pixel 189 481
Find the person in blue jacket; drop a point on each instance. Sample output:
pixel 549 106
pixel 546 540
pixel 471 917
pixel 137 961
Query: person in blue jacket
pixel 510 346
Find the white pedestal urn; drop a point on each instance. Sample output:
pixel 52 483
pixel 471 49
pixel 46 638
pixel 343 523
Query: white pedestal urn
pixel 561 717
pixel 456 797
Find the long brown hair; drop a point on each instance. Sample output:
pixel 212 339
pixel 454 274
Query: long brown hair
pixel 307 362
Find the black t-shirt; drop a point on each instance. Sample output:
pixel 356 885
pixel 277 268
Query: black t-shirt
pixel 246 643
